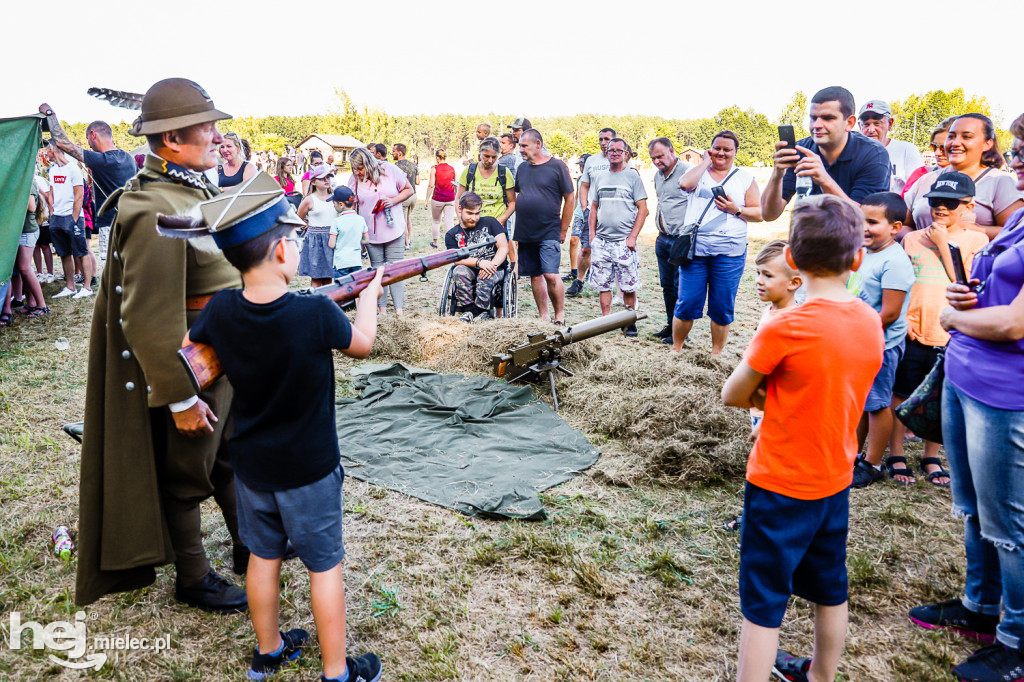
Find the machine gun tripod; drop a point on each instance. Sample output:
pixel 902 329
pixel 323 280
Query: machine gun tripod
pixel 538 359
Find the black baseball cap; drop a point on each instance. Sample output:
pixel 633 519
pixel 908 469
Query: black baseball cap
pixel 952 186
pixel 583 159
pixel 521 122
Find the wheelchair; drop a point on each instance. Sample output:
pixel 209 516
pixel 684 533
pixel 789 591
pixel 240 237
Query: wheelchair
pixel 505 296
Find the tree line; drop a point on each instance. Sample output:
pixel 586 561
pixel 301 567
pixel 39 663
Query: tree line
pixel 915 117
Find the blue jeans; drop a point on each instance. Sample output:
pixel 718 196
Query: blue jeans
pixel 668 274
pixel 715 278
pixel 985 449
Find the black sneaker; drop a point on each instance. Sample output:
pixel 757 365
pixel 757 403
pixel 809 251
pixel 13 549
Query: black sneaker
pixel 788 667
pixel 79 278
pixel 214 594
pixel 996 663
pixel 665 332
pixel 574 289
pixel 366 668
pixel 952 615
pixel 94 282
pixel 265 665
pixel 864 474
pixel 667 340
pixel 568 277
pixel 630 331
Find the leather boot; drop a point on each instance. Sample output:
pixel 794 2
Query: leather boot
pixel 214 594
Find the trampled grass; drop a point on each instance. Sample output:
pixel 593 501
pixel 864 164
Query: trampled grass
pixel 630 577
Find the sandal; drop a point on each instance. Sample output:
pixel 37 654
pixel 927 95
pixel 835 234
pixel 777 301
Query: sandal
pixel 733 524
pixel 899 471
pixel 37 311
pixel 5 319
pixel 925 461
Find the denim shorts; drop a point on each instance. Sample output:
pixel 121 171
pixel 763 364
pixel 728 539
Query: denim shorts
pixel 581 229
pixel 791 547
pixel 881 390
pixel 341 272
pixel 68 236
pixel 539 258
pixel 309 516
pixel 715 278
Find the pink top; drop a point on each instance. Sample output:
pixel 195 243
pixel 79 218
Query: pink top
pixel 392 181
pixel 288 186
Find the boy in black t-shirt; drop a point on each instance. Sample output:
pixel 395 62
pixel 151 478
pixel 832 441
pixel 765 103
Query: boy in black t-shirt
pixel 276 349
pixel 476 277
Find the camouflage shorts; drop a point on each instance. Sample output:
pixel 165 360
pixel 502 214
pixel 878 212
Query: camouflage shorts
pixel 472 290
pixel 611 261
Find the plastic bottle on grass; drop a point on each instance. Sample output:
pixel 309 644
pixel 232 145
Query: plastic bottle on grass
pixel 62 544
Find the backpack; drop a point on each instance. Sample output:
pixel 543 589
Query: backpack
pixel 471 180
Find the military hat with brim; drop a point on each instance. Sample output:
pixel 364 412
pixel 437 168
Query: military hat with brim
pixel 175 103
pixel 236 216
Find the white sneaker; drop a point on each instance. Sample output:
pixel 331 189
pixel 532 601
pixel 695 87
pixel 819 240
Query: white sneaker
pixel 466 317
pixel 617 301
pixel 64 293
pixel 83 293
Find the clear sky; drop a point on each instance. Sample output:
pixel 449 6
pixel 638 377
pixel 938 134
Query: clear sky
pixel 535 58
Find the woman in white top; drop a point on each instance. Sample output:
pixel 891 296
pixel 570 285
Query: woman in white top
pixel 714 273
pixel 316 260
pixel 972 150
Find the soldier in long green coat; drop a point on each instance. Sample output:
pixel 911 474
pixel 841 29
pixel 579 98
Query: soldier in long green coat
pixel 153 449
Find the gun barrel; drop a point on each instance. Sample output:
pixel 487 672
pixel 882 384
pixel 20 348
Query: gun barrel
pixel 601 325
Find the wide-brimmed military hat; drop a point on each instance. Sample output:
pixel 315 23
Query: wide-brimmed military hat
pixel 239 214
pixel 175 103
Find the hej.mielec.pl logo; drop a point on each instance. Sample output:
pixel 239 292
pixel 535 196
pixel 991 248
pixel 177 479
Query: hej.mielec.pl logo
pixel 71 639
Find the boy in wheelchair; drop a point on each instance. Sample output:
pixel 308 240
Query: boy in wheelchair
pixel 475 279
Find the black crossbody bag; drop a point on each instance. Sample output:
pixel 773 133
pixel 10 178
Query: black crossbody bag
pixel 685 245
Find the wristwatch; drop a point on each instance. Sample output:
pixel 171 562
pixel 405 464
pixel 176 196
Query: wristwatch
pixel 739 213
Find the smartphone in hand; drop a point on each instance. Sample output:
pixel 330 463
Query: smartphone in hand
pixel 958 264
pixel 788 135
pixel 718 192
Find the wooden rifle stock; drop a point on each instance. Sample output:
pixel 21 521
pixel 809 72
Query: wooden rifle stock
pixel 201 361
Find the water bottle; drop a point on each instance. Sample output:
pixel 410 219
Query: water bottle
pixel 387 216
pixel 804 184
pixel 62 544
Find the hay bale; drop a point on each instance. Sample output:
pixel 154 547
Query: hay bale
pixel 664 408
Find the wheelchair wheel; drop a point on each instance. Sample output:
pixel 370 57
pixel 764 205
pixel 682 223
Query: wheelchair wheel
pixel 447 304
pixel 510 294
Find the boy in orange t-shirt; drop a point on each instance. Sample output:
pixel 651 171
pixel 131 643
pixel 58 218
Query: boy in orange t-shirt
pixel 810 369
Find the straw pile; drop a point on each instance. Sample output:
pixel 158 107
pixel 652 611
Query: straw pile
pixel 662 408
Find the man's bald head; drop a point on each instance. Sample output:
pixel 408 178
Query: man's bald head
pixel 533 135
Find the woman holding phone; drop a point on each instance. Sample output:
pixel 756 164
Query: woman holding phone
pixel 983 434
pixel 728 198
pixel 380 189
pixel 972 149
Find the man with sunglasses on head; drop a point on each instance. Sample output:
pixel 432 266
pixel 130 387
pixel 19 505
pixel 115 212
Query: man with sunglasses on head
pixel 154 447
pixel 875 121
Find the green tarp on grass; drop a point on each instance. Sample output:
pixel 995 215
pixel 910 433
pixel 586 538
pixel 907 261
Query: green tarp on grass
pixel 19 142
pixel 479 446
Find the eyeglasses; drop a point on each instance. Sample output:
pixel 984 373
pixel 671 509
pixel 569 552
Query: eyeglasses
pixel 1017 154
pixel 616 151
pixel 948 204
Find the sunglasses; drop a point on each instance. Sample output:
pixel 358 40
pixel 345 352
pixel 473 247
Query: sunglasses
pixel 948 204
pixel 1017 154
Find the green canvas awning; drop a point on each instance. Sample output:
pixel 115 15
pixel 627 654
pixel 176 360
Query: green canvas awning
pixel 19 142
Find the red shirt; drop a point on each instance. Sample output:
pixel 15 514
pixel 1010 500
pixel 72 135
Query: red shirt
pixel 444 182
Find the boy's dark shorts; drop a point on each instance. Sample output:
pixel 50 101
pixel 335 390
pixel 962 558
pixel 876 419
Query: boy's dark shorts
pixel 44 236
pixel 880 395
pixel 918 360
pixel 539 258
pixel 309 516
pixel 68 236
pixel 791 547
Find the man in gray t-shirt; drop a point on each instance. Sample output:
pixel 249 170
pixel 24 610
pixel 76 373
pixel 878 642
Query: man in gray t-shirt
pixel 618 209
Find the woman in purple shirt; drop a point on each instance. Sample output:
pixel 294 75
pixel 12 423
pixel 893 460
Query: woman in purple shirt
pixel 983 432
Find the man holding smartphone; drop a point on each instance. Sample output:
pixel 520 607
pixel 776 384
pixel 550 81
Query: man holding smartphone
pixel 838 161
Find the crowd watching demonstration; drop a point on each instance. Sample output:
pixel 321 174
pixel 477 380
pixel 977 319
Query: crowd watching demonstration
pixel 892 312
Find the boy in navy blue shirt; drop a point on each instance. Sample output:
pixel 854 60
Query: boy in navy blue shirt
pixel 275 346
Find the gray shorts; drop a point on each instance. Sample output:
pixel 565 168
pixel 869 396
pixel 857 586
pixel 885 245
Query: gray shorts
pixel 309 516
pixel 581 229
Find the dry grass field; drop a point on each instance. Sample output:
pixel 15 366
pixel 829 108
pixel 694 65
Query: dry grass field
pixel 630 577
